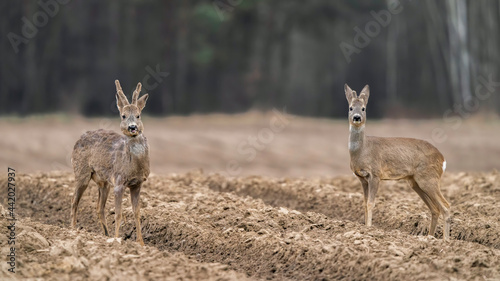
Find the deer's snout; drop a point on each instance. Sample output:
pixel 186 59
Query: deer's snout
pixel 132 128
pixel 356 118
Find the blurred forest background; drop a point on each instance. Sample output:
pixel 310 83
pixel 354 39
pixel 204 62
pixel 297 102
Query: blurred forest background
pixel 420 58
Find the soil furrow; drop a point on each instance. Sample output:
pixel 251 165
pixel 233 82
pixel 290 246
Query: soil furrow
pixel 475 200
pixel 181 213
pixel 54 253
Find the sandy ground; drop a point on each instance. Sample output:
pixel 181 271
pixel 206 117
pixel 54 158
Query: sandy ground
pixel 297 147
pixel 207 227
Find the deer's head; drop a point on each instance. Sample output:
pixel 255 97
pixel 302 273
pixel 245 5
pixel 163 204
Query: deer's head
pixel 357 105
pixel 130 113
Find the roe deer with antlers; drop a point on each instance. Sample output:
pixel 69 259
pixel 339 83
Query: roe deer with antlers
pixel 112 159
pixel 375 158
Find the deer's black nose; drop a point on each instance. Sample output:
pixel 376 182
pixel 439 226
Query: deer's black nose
pixel 356 118
pixel 132 128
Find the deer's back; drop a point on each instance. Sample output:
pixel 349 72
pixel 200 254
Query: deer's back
pixel 395 158
pixel 97 149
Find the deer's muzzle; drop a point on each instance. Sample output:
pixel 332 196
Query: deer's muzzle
pixel 133 129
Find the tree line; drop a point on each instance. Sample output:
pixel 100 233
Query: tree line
pixel 420 58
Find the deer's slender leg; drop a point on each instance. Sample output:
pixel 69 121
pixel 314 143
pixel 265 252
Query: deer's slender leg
pixel 118 208
pixel 364 183
pixel 101 204
pixel 134 198
pixel 447 224
pixel 445 210
pixel 431 187
pixel 431 204
pixel 82 182
pixel 373 183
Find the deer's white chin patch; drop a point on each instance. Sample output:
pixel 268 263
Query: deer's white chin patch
pixel 444 166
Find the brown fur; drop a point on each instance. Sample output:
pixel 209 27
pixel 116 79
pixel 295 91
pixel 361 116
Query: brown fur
pixel 375 158
pixel 111 159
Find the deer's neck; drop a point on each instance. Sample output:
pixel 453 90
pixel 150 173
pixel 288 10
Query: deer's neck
pixel 356 139
pixel 138 146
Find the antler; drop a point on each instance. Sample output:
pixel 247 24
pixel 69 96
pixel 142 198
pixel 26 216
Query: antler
pixel 136 93
pixel 121 98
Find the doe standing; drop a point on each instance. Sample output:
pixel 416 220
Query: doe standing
pixel 375 158
pixel 114 160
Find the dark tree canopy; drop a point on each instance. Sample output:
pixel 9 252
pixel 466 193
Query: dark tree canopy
pixel 420 58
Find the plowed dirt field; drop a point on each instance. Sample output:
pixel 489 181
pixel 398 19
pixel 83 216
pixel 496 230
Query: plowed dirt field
pixel 231 199
pixel 200 226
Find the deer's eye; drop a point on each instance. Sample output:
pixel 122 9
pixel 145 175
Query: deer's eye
pixel 123 116
pixel 350 108
pixel 138 116
pixel 363 109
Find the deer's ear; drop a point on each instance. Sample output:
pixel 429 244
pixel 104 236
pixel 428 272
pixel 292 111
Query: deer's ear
pixel 121 99
pixel 365 94
pixel 348 93
pixel 141 102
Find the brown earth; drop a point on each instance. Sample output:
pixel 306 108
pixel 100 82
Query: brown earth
pixel 208 227
pixel 292 212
